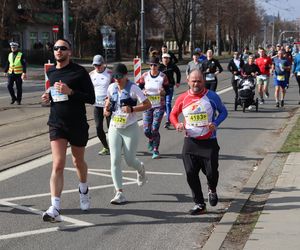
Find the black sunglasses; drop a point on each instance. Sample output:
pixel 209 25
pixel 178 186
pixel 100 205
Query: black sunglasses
pixel 97 65
pixel 63 48
pixel 153 64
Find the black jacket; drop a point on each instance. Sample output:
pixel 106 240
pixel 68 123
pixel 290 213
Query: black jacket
pixel 169 70
pixel 232 67
pixel 213 65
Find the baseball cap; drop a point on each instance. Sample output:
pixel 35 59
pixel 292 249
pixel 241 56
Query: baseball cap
pixel 14 44
pixel 198 50
pixel 119 71
pixel 165 55
pixel 98 60
pixel 153 60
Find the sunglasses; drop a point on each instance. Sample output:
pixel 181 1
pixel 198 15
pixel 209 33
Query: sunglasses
pixel 62 48
pixel 153 64
pixel 97 65
pixel 118 76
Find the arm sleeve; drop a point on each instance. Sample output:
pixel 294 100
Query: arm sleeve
pixel 178 74
pixel 176 111
pixel 229 67
pixel 222 111
pixel 23 61
pixel 219 66
pixel 87 93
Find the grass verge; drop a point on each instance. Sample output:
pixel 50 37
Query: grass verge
pixel 292 143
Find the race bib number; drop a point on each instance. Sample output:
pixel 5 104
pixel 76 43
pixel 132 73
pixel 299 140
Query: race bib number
pixel 198 119
pixel 210 77
pixel 58 97
pixel 100 100
pixel 155 100
pixel 120 120
pixel 280 78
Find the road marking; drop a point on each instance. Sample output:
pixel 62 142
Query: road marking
pixel 75 223
pixel 132 171
pixel 64 192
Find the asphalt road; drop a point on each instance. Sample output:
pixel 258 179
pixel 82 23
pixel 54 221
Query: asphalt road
pixel 155 217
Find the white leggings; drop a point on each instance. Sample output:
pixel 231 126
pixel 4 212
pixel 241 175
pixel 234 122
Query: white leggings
pixel 126 138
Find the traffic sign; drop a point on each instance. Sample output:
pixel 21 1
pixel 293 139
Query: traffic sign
pixel 55 28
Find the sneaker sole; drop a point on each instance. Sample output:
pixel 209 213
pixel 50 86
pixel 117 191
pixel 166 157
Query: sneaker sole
pixel 118 203
pixel 48 218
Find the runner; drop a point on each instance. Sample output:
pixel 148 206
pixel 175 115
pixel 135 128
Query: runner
pixel 165 50
pixel 71 87
pixel 264 64
pixel 123 130
pixel 169 69
pixel 280 67
pixel 101 78
pixel 202 57
pixel 234 66
pixel 289 57
pixel 155 85
pixel 296 70
pixel 203 112
pixel 194 64
pixel 211 68
pixel 245 55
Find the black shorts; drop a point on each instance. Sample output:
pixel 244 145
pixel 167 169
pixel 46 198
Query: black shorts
pixel 75 136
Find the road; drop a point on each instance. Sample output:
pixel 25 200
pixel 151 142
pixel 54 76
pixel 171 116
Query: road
pixel 155 217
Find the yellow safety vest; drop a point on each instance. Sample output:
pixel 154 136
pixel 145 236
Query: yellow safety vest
pixel 15 66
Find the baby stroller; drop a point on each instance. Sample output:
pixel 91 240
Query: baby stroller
pixel 246 94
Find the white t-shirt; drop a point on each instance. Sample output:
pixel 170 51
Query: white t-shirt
pixel 101 82
pixel 120 119
pixel 153 85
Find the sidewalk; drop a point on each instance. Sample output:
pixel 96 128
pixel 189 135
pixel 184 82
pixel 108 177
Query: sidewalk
pixel 278 226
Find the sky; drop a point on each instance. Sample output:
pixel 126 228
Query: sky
pixel 288 9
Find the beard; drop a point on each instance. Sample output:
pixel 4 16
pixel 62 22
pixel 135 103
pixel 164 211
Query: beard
pixel 61 58
pixel 196 89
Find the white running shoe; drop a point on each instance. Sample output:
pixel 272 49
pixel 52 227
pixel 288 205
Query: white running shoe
pixel 250 107
pixel 85 202
pixel 52 215
pixel 118 199
pixel 141 176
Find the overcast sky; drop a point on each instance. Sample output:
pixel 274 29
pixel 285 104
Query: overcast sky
pixel 288 9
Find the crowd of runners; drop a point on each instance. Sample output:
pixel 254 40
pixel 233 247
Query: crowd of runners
pixel 117 100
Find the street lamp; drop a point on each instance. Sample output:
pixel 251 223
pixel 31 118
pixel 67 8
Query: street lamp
pixel 142 32
pixel 66 19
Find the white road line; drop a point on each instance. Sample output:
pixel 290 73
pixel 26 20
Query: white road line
pixel 132 171
pixel 64 192
pixel 75 222
pixel 101 174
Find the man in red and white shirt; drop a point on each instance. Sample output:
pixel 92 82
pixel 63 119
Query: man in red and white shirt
pixel 200 150
pixel 264 64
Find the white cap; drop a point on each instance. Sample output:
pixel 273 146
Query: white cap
pixel 14 44
pixel 165 55
pixel 98 60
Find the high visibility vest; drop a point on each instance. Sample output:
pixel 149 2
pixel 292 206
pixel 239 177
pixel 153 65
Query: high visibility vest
pixel 15 66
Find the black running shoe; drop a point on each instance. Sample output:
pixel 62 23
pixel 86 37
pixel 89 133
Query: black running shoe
pixel 198 209
pixel 167 125
pixel 212 198
pixel 282 103
pixel 277 105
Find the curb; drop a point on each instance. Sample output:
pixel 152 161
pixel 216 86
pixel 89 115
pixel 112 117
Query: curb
pixel 221 230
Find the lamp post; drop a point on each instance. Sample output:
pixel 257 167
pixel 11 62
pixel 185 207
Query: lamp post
pixel 142 32
pixel 66 19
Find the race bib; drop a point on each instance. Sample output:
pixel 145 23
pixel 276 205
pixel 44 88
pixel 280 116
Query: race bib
pixel 100 100
pixel 197 119
pixel 58 97
pixel 155 100
pixel 298 73
pixel 280 78
pixel 210 77
pixel 120 120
